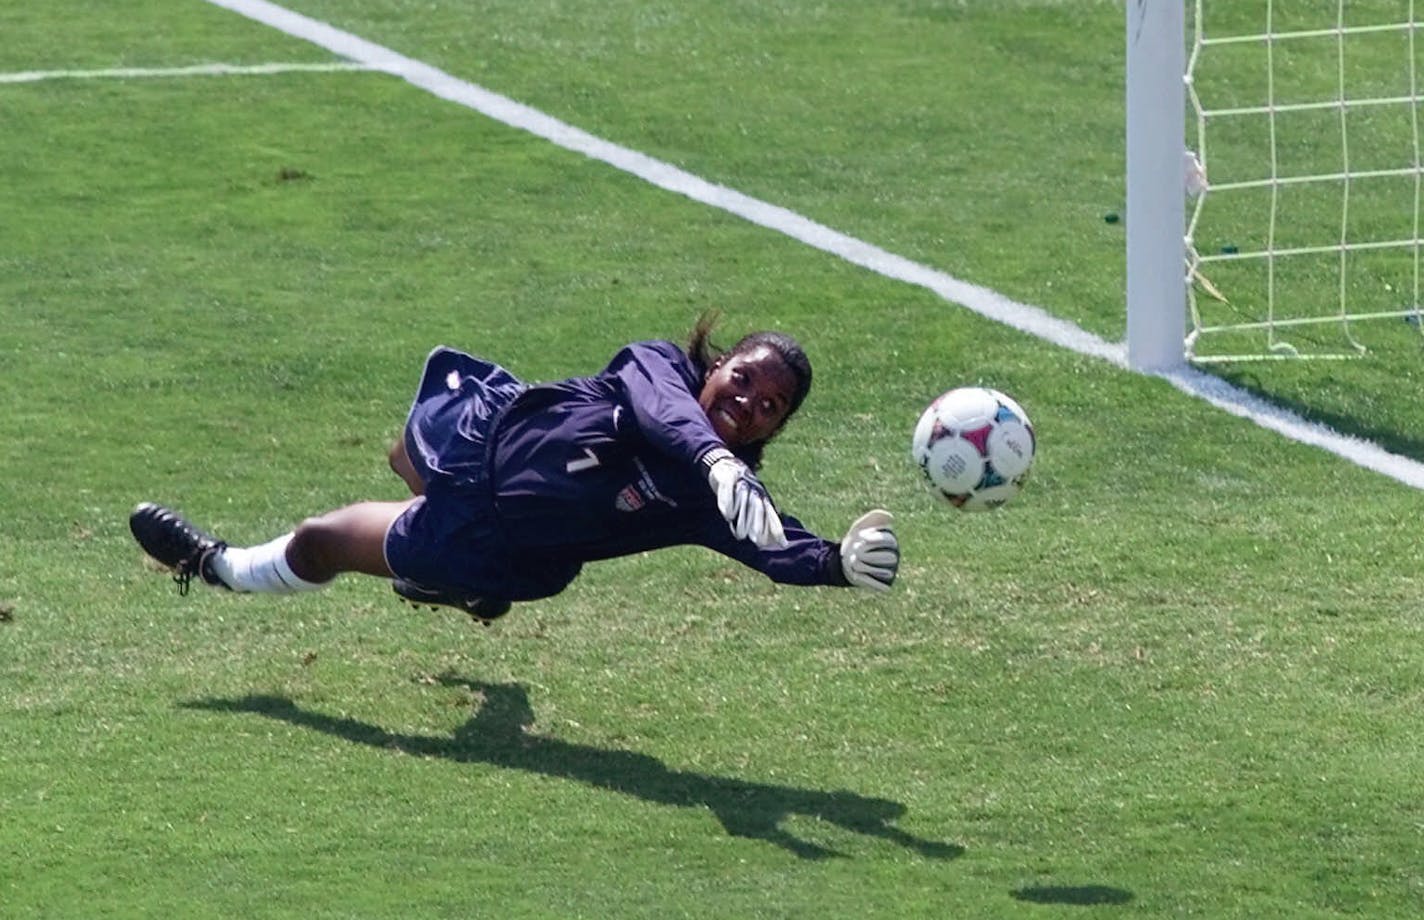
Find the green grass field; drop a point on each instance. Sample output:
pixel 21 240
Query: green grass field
pixel 1181 675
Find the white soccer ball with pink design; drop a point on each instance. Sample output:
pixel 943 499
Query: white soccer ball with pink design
pixel 974 446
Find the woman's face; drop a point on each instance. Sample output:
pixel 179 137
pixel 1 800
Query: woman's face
pixel 748 395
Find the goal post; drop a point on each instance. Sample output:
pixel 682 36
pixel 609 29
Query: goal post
pixel 1307 243
pixel 1156 211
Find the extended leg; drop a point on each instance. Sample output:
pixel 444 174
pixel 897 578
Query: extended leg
pixel 350 539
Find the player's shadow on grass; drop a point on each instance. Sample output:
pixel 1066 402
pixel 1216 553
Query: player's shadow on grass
pixel 1077 895
pixel 498 734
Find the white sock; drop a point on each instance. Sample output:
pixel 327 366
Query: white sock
pixel 261 569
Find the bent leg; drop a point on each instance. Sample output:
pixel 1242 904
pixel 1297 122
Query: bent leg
pixel 400 462
pixel 350 539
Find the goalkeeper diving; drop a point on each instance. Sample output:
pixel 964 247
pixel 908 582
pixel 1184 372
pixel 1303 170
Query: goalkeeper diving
pixel 514 487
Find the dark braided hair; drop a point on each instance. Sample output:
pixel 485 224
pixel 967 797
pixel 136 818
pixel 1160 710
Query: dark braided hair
pixel 705 354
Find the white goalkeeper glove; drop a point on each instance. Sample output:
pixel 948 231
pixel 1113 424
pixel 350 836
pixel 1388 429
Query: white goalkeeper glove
pixel 870 554
pixel 743 500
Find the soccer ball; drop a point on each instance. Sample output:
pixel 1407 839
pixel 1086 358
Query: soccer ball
pixel 975 446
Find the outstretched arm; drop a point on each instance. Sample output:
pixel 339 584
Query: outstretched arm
pixel 867 557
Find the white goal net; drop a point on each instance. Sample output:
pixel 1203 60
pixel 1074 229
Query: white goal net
pixel 1303 222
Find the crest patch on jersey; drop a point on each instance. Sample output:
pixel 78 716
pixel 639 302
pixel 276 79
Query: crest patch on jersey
pixel 630 499
pixel 636 495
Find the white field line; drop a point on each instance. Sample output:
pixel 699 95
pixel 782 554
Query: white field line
pixel 196 70
pixel 990 304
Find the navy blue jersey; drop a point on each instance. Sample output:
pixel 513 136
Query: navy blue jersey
pixel 602 466
pixel 526 483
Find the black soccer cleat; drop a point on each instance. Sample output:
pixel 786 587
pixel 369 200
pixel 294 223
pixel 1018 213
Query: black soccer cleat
pixel 171 540
pixel 482 610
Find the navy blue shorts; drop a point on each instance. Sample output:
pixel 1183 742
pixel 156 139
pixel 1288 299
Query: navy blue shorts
pixel 451 537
